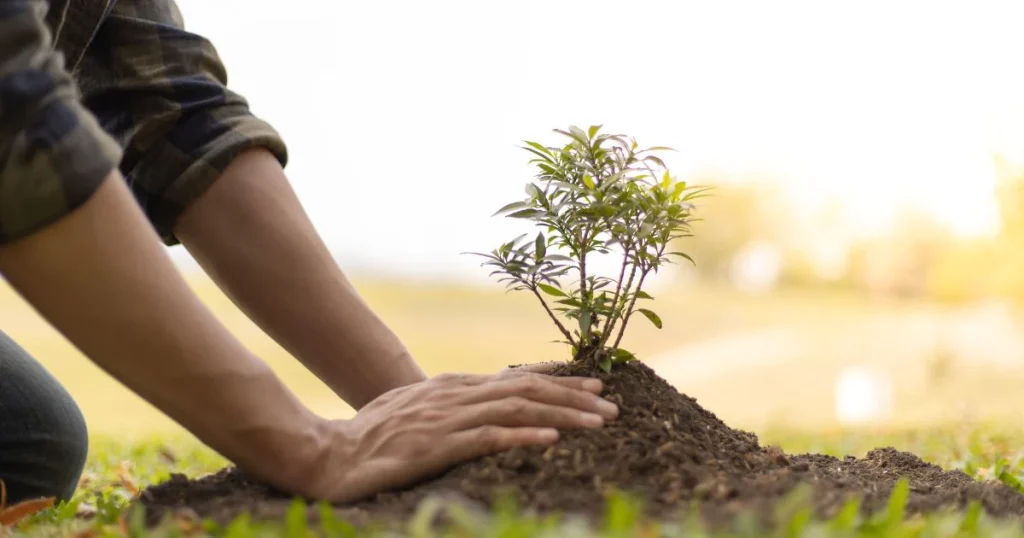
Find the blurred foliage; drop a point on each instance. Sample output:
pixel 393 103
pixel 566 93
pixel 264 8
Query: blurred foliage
pixel 987 268
pixel 917 257
pixel 730 218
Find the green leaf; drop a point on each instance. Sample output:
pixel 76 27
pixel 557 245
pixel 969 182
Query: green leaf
pixel 548 169
pixel 526 214
pixel 897 505
pixel 570 302
pixel 657 160
pixel 1009 479
pixel 295 520
pixel 551 290
pixel 677 191
pixel 846 519
pixel 333 526
pixel 422 521
pixel 651 316
pixel 683 255
pixel 969 525
pixel 585 325
pixel 545 157
pixel 538 146
pixel 588 181
pixel 240 527
pixel 510 207
pixel 540 247
pixel 593 130
pixel 643 295
pixel 622 356
pixel 605 363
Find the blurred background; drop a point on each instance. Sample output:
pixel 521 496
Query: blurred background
pixel 859 265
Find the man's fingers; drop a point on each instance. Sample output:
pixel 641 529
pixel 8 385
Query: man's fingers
pixel 540 389
pixel 486 440
pixel 520 412
pixel 588 384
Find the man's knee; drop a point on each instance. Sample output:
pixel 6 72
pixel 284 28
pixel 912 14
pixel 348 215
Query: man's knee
pixel 43 436
pixel 65 444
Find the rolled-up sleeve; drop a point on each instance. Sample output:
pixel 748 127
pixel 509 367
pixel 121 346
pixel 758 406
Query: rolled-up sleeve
pixel 162 92
pixel 53 152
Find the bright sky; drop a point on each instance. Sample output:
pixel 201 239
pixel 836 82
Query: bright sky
pixel 403 116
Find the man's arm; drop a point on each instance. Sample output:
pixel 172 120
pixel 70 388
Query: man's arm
pixel 76 246
pixel 101 277
pixel 250 233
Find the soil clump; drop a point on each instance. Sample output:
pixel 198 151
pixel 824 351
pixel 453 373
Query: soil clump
pixel 663 446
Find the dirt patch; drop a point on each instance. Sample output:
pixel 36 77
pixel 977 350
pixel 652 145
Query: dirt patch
pixel 663 446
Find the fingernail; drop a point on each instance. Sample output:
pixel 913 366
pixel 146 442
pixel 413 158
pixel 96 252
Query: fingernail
pixel 593 385
pixel 606 408
pixel 591 420
pixel 547 435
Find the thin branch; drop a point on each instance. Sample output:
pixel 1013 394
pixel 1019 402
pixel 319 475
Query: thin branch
pixel 565 332
pixel 625 313
pixel 629 311
pixel 639 286
pixel 618 293
pixel 583 271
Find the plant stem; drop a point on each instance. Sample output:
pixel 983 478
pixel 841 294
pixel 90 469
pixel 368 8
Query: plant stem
pixel 618 292
pixel 583 269
pixel 625 311
pixel 639 286
pixel 629 311
pixel 565 332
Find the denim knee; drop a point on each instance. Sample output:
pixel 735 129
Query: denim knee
pixel 43 437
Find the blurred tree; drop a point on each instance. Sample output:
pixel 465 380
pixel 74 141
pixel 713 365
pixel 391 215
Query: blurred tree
pixel 731 218
pixel 962 273
pixel 899 263
pixel 1010 197
pixel 1001 268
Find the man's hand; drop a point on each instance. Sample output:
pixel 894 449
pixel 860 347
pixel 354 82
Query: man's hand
pixel 417 431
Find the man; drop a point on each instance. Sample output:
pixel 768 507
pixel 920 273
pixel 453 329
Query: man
pixel 111 112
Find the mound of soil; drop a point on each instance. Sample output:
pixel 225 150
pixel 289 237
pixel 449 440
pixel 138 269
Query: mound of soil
pixel 663 446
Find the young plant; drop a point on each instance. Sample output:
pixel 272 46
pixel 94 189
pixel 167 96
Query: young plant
pixel 596 195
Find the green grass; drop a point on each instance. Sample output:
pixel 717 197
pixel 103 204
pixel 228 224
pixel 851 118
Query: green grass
pixel 116 469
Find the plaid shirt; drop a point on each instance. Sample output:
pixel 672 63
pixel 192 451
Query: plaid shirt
pixel 90 85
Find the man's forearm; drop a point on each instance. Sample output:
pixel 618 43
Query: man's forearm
pixel 250 233
pixel 101 277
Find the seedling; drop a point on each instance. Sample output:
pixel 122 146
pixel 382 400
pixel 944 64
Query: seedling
pixel 597 194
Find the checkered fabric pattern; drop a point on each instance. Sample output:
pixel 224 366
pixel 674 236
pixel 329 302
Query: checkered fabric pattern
pixel 90 85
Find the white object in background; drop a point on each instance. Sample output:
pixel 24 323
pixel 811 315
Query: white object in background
pixel 756 267
pixel 862 396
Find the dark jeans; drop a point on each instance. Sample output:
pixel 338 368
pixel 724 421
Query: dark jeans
pixel 43 439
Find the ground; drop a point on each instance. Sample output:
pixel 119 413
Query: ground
pixel 707 349
pixel 117 468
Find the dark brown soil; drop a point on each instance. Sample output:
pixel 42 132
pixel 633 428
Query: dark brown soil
pixel 663 447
